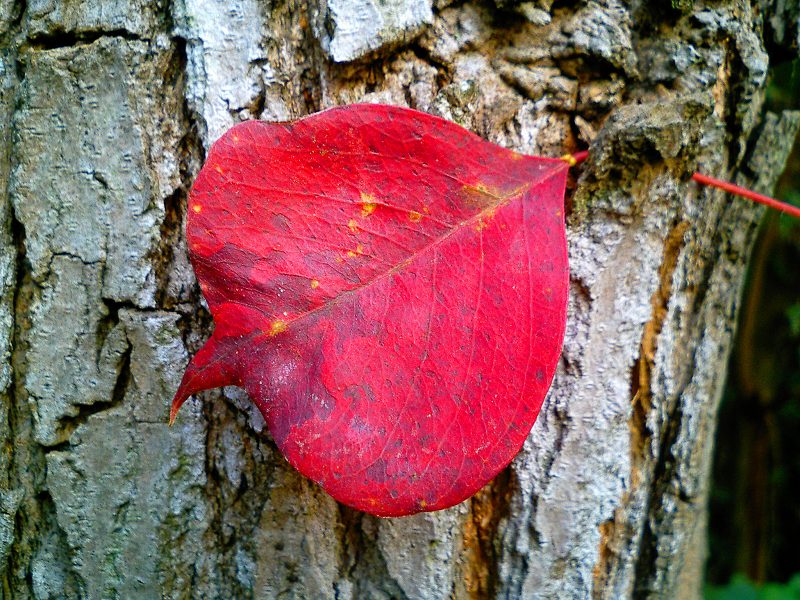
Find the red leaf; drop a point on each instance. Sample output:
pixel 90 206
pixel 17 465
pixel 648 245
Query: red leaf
pixel 391 292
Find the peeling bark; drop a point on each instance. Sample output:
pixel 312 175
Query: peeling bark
pixel 106 112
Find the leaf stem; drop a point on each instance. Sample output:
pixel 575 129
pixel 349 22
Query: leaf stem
pixel 581 156
pixel 784 207
pixel 578 157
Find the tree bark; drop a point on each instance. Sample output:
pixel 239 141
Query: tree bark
pixel 107 109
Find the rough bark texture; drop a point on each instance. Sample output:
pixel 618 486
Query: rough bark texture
pixel 106 111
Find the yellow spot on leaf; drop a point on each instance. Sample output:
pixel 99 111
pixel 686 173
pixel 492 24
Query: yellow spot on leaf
pixel 353 225
pixel 414 216
pixel 314 284
pixel 197 208
pixel 278 326
pixel 483 222
pixel 368 205
pixel 218 169
pixel 235 138
pixel 569 159
pixel 481 195
pixel 357 252
pixel 426 210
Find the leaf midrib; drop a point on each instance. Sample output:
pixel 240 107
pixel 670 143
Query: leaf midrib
pixel 501 201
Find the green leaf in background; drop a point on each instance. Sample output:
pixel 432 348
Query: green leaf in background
pixel 740 588
pixel 793 314
pixel 787 226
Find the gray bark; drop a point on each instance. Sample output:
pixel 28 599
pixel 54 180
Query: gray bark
pixel 106 111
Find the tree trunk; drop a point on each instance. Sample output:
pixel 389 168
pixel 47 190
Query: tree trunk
pixel 107 109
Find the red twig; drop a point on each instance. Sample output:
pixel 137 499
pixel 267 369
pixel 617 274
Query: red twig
pixel 581 156
pixel 578 157
pixel 750 195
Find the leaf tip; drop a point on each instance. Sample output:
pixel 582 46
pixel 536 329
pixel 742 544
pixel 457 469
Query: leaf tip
pixel 212 367
pixel 173 412
pixel 180 397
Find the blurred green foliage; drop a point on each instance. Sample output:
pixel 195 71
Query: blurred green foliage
pixel 740 588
